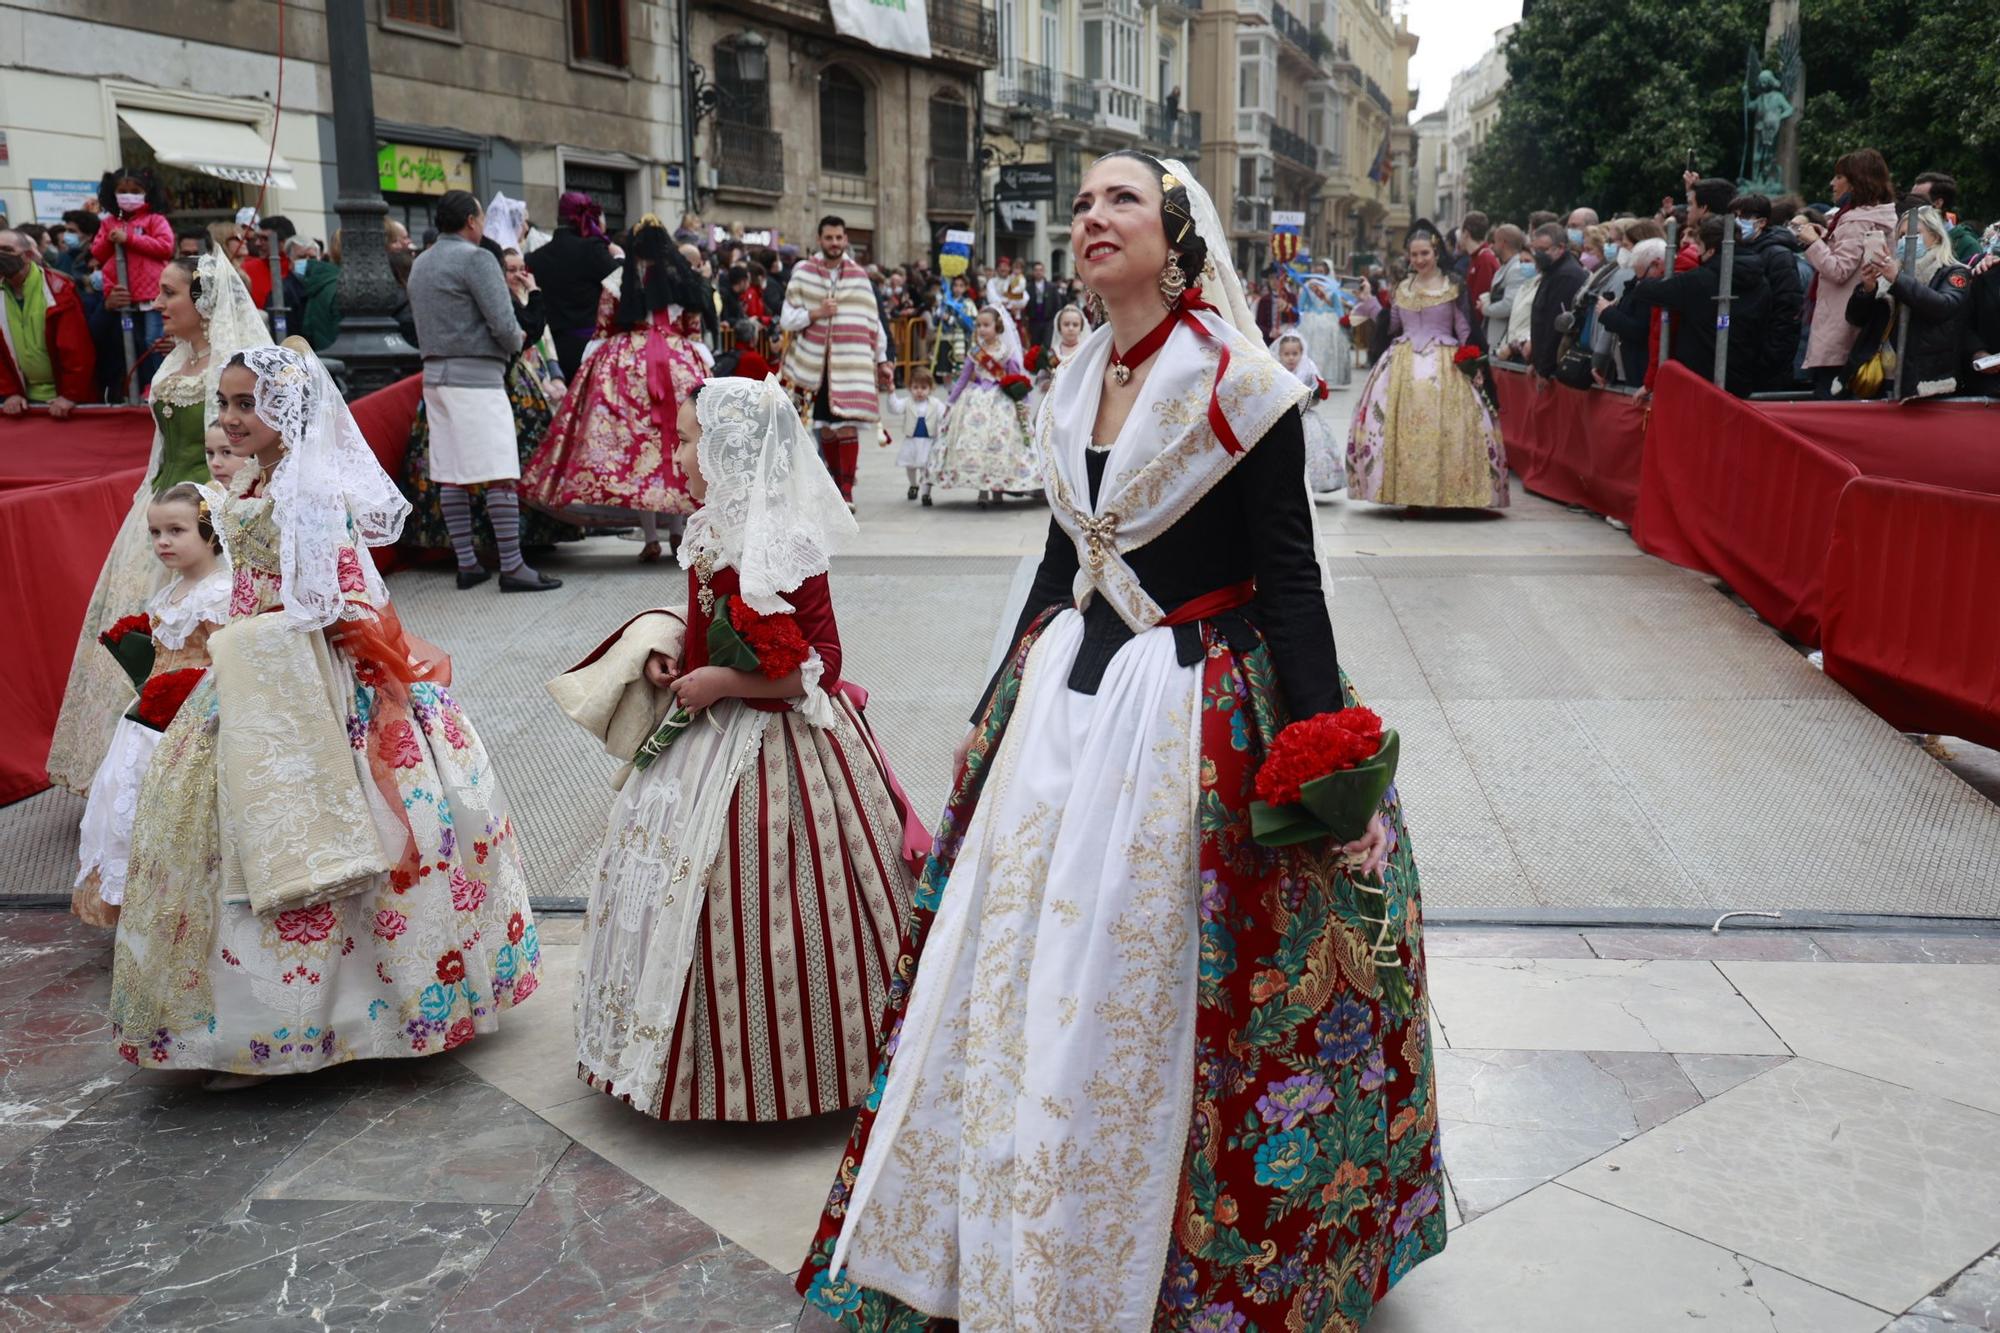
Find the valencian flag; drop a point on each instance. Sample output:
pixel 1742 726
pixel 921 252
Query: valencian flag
pixel 1286 228
pixel 955 253
pixel 1384 164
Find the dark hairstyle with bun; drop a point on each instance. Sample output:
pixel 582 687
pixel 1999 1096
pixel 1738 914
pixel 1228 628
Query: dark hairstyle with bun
pixel 192 268
pixel 1176 216
pixel 658 275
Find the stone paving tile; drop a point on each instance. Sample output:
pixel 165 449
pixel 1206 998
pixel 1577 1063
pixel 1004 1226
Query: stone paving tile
pixel 429 1132
pixel 1514 1119
pixel 71 1313
pixel 284 1264
pixel 1882 1019
pixel 1441 941
pixel 56 1054
pixel 117 1194
pixel 1773 945
pixel 532 1058
pixel 1970 1300
pixel 1713 1075
pixel 1869 1189
pixel 1907 947
pixel 1582 1004
pixel 1556 1261
pixel 597 1249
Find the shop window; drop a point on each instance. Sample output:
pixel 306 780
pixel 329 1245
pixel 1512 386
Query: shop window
pixel 843 122
pixel 432 15
pixel 597 32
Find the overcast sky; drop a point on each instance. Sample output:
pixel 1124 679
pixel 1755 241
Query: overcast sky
pixel 1454 33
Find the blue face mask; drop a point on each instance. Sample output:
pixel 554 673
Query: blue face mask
pixel 1746 228
pixel 1610 251
pixel 71 240
pixel 1575 237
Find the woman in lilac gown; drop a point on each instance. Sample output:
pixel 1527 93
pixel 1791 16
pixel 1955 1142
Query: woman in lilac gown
pixel 1422 434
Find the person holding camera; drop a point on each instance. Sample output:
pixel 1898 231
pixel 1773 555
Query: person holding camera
pixel 1859 234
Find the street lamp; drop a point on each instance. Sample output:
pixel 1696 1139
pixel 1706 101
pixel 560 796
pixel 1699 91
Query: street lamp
pixel 750 53
pixel 369 346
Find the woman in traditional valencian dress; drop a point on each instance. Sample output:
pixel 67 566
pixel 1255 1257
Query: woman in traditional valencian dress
pixel 610 452
pixel 1422 435
pixel 206 309
pixel 1322 305
pixel 1148 1073
pixel 985 445
pixel 322 865
pixel 752 888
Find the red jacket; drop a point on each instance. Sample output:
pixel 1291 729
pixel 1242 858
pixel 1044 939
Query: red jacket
pixel 71 351
pixel 1479 278
pixel 149 244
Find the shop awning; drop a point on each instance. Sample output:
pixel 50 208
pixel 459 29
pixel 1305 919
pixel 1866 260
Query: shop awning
pixel 226 149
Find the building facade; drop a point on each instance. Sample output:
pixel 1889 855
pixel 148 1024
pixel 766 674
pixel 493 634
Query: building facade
pixel 1076 79
pixel 524 97
pixel 1427 167
pixel 796 122
pixel 1470 114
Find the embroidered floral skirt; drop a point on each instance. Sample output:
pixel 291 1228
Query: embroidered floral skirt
pixel 604 455
pixel 1141 1072
pixel 750 902
pixel 984 445
pixel 415 967
pixel 1422 435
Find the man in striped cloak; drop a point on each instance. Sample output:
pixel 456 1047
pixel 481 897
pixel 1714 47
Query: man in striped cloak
pixel 839 352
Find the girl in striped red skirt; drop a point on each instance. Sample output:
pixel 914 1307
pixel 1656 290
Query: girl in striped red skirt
pixel 753 882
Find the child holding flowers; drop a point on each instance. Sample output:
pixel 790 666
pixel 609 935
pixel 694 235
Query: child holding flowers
pixel 752 884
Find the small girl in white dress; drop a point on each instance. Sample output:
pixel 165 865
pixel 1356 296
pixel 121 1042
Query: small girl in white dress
pixel 920 419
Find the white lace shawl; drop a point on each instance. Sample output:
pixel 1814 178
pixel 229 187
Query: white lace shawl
pixel 772 512
pixel 328 494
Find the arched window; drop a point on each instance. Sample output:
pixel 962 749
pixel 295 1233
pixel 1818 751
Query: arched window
pixel 843 122
pixel 951 128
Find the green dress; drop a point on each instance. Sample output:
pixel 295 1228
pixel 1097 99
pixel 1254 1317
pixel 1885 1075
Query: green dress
pixel 177 409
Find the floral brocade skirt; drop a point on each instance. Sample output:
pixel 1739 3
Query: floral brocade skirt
pixel 1422 435
pixel 419 964
pixel 1142 1072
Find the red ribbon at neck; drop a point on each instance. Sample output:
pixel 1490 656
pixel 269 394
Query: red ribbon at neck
pixel 1183 313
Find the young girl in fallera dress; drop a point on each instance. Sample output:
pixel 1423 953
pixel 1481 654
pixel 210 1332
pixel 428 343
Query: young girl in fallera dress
pixel 179 618
pixel 1324 471
pixel 322 865
pixel 985 444
pixel 753 884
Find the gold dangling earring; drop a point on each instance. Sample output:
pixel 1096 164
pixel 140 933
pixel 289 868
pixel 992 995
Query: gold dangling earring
pixel 1093 306
pixel 1172 282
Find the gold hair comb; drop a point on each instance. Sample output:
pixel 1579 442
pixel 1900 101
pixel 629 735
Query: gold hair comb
pixel 1169 181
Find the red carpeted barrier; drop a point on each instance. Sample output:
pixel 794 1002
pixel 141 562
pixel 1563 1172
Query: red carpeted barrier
pixel 1912 625
pixel 1578 446
pixel 65 486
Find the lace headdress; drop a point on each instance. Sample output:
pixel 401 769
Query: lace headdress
pixel 772 512
pixel 230 320
pixel 327 493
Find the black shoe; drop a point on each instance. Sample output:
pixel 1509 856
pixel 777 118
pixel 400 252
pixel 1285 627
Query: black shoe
pixel 927 499
pixel 472 578
pixel 531 580
pixel 912 495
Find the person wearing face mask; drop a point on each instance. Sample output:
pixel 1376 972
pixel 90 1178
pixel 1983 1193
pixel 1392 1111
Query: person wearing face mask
pixel 1777 252
pixel 134 208
pixel 1691 296
pixel 1562 277
pixel 46 356
pixel 1580 222
pixel 1630 343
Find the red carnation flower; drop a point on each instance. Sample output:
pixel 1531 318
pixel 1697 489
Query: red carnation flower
pixel 124 625
pixel 1466 352
pixel 162 696
pixel 1313 748
pixel 776 639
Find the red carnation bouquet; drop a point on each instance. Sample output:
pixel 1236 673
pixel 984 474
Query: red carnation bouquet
pixel 130 640
pixel 1323 777
pixel 1033 360
pixel 740 639
pixel 161 697
pixel 1016 387
pixel 1470 359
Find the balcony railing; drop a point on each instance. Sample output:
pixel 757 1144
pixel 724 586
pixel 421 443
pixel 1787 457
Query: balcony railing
pixel 749 157
pixel 1287 144
pixel 1040 88
pixel 1289 27
pixel 965 26
pixel 954 185
pixel 1252 214
pixel 1378 97
pixel 1182 135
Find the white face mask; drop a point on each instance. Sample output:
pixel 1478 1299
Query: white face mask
pixel 130 203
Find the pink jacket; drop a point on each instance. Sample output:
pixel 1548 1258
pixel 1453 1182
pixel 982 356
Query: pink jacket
pixel 1837 258
pixel 148 247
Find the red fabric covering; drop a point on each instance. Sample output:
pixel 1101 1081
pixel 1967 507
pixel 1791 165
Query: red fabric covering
pixel 55 528
pixel 385 417
pixel 1729 491
pixel 1945 444
pixel 1579 446
pixel 1910 627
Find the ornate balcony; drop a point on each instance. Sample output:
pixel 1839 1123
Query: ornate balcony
pixel 965 26
pixel 1294 147
pixel 749 157
pixel 1040 88
pixel 1182 137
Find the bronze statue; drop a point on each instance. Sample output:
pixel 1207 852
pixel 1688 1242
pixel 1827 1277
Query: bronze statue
pixel 1766 108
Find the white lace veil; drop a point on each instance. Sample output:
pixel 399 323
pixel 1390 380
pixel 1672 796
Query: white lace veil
pixel 327 492
pixel 1220 286
pixel 1010 339
pixel 229 317
pixel 772 512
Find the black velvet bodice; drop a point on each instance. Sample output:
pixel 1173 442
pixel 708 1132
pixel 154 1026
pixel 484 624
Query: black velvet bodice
pixel 1254 524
